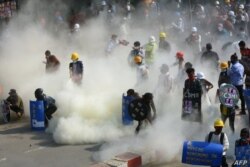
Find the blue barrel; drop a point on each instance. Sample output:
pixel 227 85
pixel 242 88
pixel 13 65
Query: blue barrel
pixel 247 98
pixel 126 118
pixel 37 117
pixel 202 153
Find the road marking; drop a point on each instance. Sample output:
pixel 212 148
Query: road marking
pixel 3 159
pixel 36 149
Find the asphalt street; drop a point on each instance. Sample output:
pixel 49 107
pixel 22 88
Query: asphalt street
pixel 22 147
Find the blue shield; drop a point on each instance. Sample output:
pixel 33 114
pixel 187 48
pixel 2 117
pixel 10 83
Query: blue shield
pixel 202 153
pixel 37 117
pixel 126 118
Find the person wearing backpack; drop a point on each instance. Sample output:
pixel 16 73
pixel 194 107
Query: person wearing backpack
pixel 219 137
pixel 143 110
pixel 226 112
pixel 49 104
pixel 76 68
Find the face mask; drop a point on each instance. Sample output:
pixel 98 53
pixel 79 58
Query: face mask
pixel 191 77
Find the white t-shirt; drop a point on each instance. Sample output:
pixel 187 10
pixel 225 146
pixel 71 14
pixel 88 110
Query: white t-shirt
pixel 216 139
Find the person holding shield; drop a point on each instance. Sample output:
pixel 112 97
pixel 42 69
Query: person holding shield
pixel 226 112
pixel 140 110
pixel 219 137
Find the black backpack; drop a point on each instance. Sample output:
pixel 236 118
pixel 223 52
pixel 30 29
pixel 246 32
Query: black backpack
pixel 221 137
pixel 77 67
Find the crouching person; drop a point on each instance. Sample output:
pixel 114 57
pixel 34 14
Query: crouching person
pixel 15 103
pixel 49 104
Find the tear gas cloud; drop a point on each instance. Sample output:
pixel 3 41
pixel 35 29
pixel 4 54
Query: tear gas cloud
pixel 91 112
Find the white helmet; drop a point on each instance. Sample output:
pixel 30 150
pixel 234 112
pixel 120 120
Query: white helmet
pixel 200 75
pixel 217 3
pixel 152 39
pixel 77 26
pixel 241 6
pixel 231 13
pixel 194 29
pixel 243 18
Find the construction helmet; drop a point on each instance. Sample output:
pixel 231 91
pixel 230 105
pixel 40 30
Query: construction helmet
pixel 179 55
pixel 194 29
pixel 137 59
pixel 241 6
pixel 74 56
pixel 218 123
pixel 151 39
pixel 227 1
pixel 223 65
pixel 163 35
pixel 76 26
pixel 200 75
pixel 231 13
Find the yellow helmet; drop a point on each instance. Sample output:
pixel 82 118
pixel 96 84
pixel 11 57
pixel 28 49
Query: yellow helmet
pixel 227 1
pixel 223 65
pixel 163 35
pixel 218 123
pixel 137 59
pixel 74 56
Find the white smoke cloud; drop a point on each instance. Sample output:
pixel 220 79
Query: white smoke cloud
pixel 91 112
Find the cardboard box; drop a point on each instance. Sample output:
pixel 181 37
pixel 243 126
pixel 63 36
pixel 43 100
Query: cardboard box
pixel 131 159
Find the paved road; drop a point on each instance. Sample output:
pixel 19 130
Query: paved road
pixel 19 146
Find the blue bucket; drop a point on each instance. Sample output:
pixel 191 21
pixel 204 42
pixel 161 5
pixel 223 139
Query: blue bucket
pixel 126 118
pixel 37 117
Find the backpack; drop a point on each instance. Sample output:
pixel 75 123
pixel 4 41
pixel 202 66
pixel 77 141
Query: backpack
pixel 49 102
pixel 223 78
pixel 77 67
pixel 221 137
pixel 138 110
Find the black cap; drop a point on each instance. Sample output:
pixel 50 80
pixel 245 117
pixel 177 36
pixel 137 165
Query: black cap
pixel 12 92
pixel 137 43
pixel 148 96
pixel 130 92
pixel 47 52
pixel 190 70
pixel 188 65
pixel 209 46
pixel 242 44
pixel 244 131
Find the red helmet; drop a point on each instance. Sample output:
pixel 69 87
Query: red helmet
pixel 180 55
